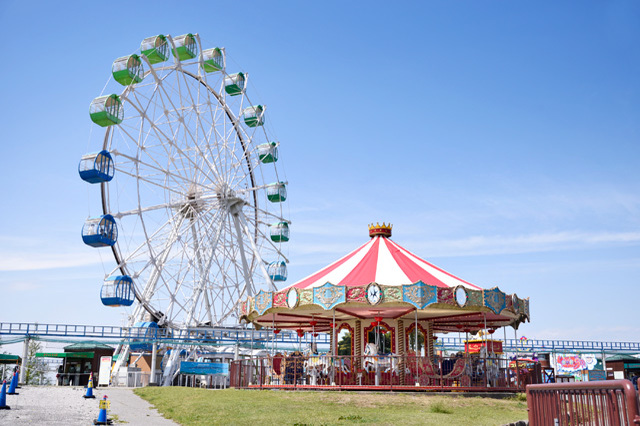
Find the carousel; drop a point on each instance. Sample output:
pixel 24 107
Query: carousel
pixel 382 307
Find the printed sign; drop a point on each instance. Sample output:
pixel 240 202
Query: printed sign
pixel 597 375
pixel 105 371
pixel 104 404
pixel 204 368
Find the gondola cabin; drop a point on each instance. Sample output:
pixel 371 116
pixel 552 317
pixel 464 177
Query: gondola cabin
pixel 106 110
pixel 128 70
pixel 254 116
pixel 277 192
pixel 143 331
pixel 279 232
pixel 277 270
pixel 117 291
pixel 155 48
pixel 100 231
pixel 185 47
pixel 96 167
pixel 213 60
pixel 268 152
pixel 234 84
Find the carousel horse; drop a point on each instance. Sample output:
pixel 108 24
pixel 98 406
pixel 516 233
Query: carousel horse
pixel 386 362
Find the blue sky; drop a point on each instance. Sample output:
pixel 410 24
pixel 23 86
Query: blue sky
pixel 500 138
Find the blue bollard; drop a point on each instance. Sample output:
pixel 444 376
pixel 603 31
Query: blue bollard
pixel 3 396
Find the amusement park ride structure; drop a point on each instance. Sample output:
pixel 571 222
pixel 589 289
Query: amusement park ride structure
pixel 192 203
pixel 193 209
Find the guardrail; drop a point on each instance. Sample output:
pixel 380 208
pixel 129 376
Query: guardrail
pixel 204 335
pixel 227 335
pixel 612 402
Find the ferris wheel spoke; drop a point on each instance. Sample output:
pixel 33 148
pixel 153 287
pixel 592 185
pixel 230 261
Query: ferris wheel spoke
pixel 151 181
pixel 162 136
pixel 204 269
pixel 182 109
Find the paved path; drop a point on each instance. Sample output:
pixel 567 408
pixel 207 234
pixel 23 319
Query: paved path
pixel 64 405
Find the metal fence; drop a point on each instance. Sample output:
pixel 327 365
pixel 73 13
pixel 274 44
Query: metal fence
pixel 134 379
pixel 210 381
pixel 388 371
pixel 611 403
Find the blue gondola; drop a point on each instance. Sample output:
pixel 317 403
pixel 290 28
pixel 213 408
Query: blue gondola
pixel 145 330
pixel 100 231
pixel 117 291
pixel 97 167
pixel 277 270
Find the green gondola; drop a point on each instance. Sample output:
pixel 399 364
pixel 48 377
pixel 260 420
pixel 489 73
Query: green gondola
pixel 279 232
pixel 254 116
pixel 213 60
pixel 155 48
pixel 268 152
pixel 277 192
pixel 185 47
pixel 106 110
pixel 128 70
pixel 234 84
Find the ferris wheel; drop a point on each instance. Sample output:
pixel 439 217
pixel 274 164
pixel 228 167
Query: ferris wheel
pixel 193 204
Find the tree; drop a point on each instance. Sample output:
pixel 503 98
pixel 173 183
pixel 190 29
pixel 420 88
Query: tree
pixel 35 368
pixel 344 345
pixel 412 341
pixel 5 373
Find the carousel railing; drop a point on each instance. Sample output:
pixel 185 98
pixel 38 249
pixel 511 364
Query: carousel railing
pixel 449 373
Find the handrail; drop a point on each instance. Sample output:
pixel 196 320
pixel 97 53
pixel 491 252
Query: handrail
pixel 607 402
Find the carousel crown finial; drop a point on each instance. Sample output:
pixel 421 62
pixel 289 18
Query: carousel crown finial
pixel 383 230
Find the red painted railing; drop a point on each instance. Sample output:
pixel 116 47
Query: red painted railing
pixel 609 402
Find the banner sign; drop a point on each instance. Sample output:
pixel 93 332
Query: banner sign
pixel 570 363
pixel 204 368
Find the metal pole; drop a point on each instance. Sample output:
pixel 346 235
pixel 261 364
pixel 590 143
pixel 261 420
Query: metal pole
pixel 154 354
pixel 417 347
pixel 333 349
pixel 25 354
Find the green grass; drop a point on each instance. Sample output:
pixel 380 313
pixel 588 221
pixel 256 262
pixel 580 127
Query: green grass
pixel 189 406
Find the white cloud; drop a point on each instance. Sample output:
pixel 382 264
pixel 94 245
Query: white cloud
pixel 24 260
pixel 516 244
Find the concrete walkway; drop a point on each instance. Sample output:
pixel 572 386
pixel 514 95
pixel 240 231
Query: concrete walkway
pixel 64 405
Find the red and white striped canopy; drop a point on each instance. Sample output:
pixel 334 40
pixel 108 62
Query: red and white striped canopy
pixel 384 262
